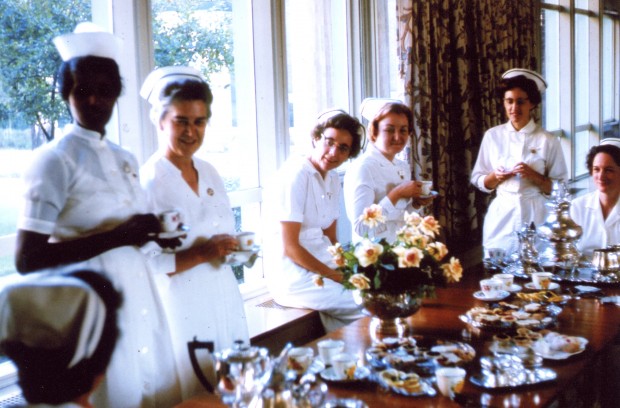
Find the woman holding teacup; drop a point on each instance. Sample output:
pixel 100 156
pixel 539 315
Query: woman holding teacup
pixel 378 176
pixel 305 206
pixel 200 294
pixel 517 160
pixel 598 213
pixel 84 206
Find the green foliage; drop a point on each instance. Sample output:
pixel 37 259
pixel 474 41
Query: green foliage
pixel 185 32
pixel 193 32
pixel 29 61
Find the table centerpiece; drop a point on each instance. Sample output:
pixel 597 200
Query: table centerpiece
pixel 390 279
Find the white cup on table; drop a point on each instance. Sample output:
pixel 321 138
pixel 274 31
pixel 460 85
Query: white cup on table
pixel 450 380
pixel 344 366
pixel 328 348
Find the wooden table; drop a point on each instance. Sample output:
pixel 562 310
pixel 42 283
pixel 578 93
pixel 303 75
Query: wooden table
pixel 579 375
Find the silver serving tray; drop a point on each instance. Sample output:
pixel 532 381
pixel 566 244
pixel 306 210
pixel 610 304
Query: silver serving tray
pixel 582 274
pixel 525 378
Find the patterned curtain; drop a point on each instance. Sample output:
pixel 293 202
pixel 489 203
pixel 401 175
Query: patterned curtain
pixel 452 54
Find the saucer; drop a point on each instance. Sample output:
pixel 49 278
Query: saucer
pixel 502 294
pixel 181 231
pixel 361 373
pixel 431 195
pixel 515 288
pixel 242 257
pixel 552 286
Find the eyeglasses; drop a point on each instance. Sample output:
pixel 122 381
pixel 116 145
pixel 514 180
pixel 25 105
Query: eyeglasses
pixel 519 101
pixel 330 142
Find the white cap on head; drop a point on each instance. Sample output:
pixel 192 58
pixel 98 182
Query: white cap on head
pixel 157 80
pixel 614 141
pixel 540 82
pixel 330 113
pixel 51 312
pixel 88 39
pixel 371 106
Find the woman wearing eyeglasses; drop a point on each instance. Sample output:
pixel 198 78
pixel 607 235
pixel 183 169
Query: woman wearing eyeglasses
pixel 378 176
pixel 518 160
pixel 306 208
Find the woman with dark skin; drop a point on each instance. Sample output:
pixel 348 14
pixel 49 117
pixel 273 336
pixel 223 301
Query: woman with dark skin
pixel 84 205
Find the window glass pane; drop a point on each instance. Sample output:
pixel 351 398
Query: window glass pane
pixel 389 83
pixel 581 70
pixel 581 147
pixel 316 51
pixel 581 4
pixel 215 37
pixel 551 1
pixel 608 69
pixel 551 69
pixel 205 34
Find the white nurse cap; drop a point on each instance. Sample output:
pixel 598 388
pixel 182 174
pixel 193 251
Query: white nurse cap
pixel 157 80
pixel 88 39
pixel 529 74
pixel 53 311
pixel 371 106
pixel 614 141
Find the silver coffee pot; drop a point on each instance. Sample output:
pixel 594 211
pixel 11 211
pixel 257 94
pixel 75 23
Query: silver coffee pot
pixel 560 230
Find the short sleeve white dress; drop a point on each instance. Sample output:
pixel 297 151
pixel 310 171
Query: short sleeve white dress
pixel 202 302
pixel 302 195
pixel 83 184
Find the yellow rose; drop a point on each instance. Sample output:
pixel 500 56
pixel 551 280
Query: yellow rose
pixel 318 280
pixel 437 250
pixel 408 257
pixel 367 252
pixel 453 271
pixel 429 226
pixel 360 281
pixel 372 216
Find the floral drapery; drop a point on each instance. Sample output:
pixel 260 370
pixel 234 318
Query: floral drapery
pixel 452 54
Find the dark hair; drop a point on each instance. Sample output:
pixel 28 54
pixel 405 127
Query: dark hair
pixel 342 121
pixel 520 81
pixel 390 107
pixel 187 90
pixel 43 373
pixel 611 150
pixel 79 69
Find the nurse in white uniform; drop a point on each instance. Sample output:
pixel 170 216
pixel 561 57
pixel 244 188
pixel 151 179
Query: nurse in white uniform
pixel 200 294
pixel 518 160
pixel 306 199
pixel 598 212
pixel 378 176
pixel 84 206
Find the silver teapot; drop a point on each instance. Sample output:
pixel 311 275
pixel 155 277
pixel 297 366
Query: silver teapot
pixel 528 254
pixel 239 371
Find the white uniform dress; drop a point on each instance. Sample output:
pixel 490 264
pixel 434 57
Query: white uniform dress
pixel 303 196
pixel 368 181
pixel 80 185
pixel 202 302
pixel 518 201
pixel 597 232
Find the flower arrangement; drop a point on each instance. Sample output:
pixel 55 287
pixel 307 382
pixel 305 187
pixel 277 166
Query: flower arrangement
pixel 415 262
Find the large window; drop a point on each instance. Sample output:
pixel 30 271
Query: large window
pixel 581 103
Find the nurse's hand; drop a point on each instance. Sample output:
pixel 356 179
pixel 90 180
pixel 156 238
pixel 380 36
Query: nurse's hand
pixel 218 247
pixel 405 190
pixel 528 173
pixel 137 230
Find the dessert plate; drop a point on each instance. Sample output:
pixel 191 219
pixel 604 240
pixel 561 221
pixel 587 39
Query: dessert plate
pixel 181 231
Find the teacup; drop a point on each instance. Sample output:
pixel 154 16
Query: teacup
pixel 170 220
pixel 344 366
pixel 427 186
pixel 450 380
pixel 328 348
pixel 506 278
pixel 541 280
pixel 246 240
pixel 491 287
pixel 299 359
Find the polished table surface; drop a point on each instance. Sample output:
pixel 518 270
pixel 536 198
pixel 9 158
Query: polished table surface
pixel 439 317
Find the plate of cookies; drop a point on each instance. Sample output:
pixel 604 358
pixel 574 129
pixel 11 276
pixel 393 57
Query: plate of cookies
pixel 409 384
pixel 505 316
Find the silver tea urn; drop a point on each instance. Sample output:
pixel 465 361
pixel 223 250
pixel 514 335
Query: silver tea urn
pixel 560 231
